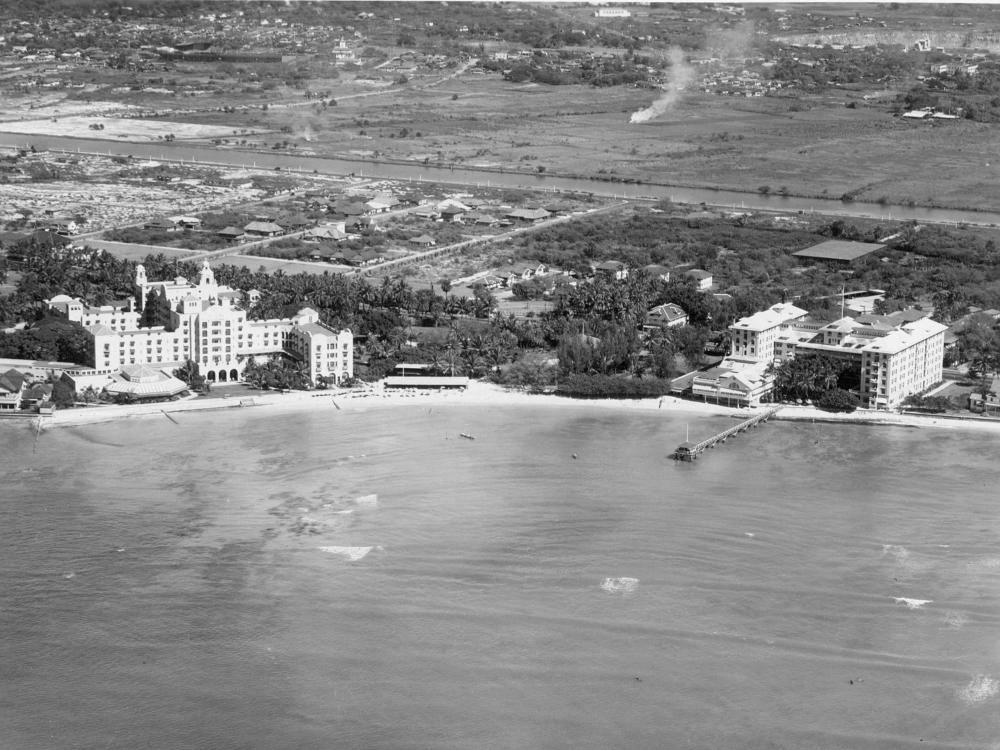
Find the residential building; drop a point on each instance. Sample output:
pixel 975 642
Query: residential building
pixel 703 279
pixel 666 316
pixel 204 322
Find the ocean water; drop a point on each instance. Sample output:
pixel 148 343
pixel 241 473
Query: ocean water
pixel 370 580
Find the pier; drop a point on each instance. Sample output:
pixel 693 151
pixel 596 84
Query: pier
pixel 690 451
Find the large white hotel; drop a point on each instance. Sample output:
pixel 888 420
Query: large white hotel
pixel 894 355
pixel 204 323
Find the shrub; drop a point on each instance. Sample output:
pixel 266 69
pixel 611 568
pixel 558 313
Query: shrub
pixel 608 386
pixel 838 400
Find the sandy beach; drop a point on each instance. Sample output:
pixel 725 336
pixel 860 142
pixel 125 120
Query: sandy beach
pixel 488 394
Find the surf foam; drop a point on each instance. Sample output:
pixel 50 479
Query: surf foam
pixel 367 500
pixel 348 553
pixel 911 603
pixel 980 688
pixel 624 585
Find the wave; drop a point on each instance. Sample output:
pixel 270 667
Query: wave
pixel 624 585
pixel 911 603
pixel 897 551
pixel 980 688
pixel 955 620
pixel 348 553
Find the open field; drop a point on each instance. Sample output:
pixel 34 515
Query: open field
pixel 131 129
pixel 809 146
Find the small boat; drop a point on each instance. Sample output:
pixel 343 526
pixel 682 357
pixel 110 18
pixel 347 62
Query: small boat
pixel 467 436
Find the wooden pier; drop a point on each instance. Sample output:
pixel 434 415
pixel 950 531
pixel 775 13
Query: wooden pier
pixel 690 451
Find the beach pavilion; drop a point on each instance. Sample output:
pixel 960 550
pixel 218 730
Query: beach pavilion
pixel 142 383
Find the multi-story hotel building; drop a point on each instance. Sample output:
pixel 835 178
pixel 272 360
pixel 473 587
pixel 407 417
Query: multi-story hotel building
pixel 892 356
pixel 206 324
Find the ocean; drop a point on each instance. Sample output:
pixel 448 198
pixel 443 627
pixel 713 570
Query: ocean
pixel 368 579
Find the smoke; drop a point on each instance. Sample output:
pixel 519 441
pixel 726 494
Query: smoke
pixel 681 74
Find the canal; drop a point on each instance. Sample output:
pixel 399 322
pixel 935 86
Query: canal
pixel 476 178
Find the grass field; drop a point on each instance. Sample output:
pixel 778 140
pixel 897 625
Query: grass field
pixel 808 146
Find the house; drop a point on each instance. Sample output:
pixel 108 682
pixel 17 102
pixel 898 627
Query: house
pixel 64 227
pixel 481 219
pixel 423 240
pixel 163 225
pixel 492 282
pixel 521 271
pixel 452 213
pixel 297 224
pixel 527 214
pixel 230 233
pixel 427 213
pixel 359 259
pixel 322 234
pixel 611 269
pixel 988 402
pixel 11 389
pixel 380 205
pixel 263 229
pixel 703 279
pixel 36 394
pixel 668 315
pixel 186 222
pixel 657 271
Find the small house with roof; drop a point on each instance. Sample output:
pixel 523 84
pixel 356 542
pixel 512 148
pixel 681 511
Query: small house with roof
pixel 453 213
pixel 423 240
pixel 667 315
pixel 611 269
pixel 702 279
pixel 324 234
pixel 230 233
pixel 527 214
pixel 162 225
pixel 657 271
pixel 263 229
pixel 11 389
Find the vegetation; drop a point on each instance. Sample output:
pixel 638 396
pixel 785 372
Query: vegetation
pixel 603 386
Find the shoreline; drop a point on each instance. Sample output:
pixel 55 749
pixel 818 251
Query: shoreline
pixel 488 394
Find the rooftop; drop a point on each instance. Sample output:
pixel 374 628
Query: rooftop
pixel 839 250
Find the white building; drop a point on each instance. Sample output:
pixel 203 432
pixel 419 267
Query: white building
pixel 612 13
pixel 206 324
pixel 893 357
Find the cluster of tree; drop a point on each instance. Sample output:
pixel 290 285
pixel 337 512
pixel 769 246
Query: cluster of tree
pixel 603 386
pixel 933 404
pixel 810 376
pixel 50 339
pixel 279 373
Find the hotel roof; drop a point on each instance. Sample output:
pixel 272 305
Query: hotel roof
pixel 773 316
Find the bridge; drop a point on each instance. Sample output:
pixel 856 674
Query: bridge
pixel 690 451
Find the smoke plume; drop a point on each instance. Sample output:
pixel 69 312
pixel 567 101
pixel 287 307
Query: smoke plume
pixel 681 74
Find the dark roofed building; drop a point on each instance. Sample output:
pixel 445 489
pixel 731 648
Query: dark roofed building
pixel 838 251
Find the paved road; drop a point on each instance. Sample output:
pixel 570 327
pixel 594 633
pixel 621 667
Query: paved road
pixel 485 240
